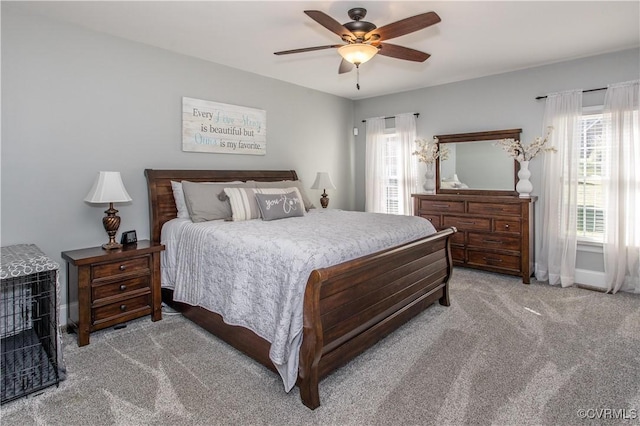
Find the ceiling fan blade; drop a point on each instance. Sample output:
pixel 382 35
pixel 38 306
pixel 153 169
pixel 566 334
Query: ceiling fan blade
pixel 331 24
pixel 307 49
pixel 404 26
pixel 345 66
pixel 400 52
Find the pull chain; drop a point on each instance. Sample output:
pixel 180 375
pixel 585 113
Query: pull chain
pixel 358 76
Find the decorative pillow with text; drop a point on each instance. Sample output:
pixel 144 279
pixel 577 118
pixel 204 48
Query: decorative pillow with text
pixel 280 206
pixel 244 205
pixel 289 184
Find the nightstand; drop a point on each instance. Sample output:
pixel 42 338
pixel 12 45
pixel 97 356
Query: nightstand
pixel 110 287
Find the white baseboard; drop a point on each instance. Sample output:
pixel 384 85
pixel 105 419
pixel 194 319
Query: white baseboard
pixel 588 278
pixel 62 319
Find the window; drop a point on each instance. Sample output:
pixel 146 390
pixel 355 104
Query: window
pixel 391 180
pixel 591 178
pixel 390 169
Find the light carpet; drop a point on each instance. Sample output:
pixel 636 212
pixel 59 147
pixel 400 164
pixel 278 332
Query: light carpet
pixel 503 353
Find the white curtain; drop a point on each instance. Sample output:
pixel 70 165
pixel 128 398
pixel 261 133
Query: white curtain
pixel 377 169
pixel 407 169
pixel 622 222
pixel 375 194
pixel 556 255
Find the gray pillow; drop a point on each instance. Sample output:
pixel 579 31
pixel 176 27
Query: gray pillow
pixel 280 206
pixel 202 200
pixel 244 205
pixel 288 184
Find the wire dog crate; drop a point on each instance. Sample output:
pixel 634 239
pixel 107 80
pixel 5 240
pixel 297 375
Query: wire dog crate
pixel 28 321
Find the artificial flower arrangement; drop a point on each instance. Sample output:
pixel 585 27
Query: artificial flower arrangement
pixel 428 151
pixel 520 152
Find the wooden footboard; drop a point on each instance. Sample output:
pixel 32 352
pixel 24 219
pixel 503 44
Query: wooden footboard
pixel 350 306
pixel 347 307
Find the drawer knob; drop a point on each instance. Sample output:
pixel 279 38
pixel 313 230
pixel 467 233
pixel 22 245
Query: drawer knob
pixel 123 308
pixel 123 267
pixel 506 226
pixel 123 287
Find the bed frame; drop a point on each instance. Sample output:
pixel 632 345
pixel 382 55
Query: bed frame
pixel 347 307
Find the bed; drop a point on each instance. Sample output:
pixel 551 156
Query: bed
pixel 346 307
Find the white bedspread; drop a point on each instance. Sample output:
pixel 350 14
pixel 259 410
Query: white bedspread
pixel 254 272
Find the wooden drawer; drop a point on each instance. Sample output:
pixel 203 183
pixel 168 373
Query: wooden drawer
pixel 457 254
pixel 483 258
pixel 458 238
pixel 468 223
pixel 127 266
pixel 493 208
pixel 494 241
pixel 434 219
pixel 441 206
pixel 139 305
pixel 120 287
pixel 507 225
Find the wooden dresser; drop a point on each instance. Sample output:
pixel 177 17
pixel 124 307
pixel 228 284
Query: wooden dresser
pixel 495 233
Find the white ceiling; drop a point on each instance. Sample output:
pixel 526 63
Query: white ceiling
pixel 474 39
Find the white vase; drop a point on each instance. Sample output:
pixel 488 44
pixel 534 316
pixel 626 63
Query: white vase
pixel 524 186
pixel 429 179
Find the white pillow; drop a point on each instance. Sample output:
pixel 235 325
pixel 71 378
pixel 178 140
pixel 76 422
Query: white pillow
pixel 178 196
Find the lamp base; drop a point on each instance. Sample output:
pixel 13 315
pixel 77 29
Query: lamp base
pixel 111 246
pixel 324 201
pixel 111 223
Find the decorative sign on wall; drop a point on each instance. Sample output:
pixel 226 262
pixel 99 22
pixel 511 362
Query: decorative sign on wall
pixel 222 128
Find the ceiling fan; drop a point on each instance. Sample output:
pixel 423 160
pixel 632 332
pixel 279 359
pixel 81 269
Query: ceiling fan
pixel 364 40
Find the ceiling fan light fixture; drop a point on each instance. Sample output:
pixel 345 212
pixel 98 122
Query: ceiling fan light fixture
pixel 357 53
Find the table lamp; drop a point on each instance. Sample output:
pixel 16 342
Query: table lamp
pixel 323 180
pixel 108 188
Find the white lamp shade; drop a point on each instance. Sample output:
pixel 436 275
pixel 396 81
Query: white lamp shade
pixel 323 181
pixel 108 188
pixel 357 53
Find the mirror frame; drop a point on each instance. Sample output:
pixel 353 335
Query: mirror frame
pixel 479 137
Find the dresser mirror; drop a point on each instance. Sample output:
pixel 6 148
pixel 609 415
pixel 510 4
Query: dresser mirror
pixel 476 165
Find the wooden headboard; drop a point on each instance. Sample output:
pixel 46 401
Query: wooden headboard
pixel 162 206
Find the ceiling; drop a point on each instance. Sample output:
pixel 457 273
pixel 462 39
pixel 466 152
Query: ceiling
pixel 474 39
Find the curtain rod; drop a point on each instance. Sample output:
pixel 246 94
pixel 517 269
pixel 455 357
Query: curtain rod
pixel 417 114
pixel 584 91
